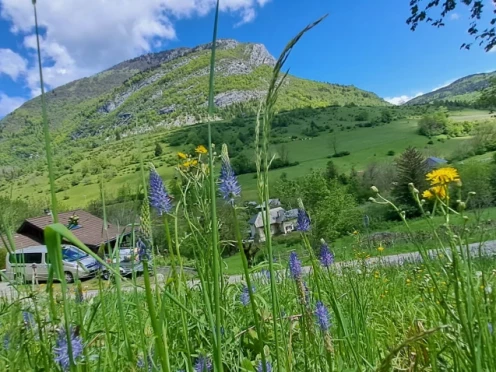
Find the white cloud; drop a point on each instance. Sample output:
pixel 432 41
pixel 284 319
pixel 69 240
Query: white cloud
pixel 80 38
pixel 401 99
pixel 455 16
pixel 12 64
pixel 9 104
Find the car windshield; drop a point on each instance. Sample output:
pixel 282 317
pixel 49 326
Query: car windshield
pixel 72 254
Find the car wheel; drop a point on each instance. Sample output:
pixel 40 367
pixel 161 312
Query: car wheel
pixel 105 275
pixel 69 278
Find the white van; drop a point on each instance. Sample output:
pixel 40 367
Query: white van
pixel 25 262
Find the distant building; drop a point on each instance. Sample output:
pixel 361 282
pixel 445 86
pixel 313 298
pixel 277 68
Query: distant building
pixel 281 222
pixel 433 162
pixel 86 227
pixel 273 203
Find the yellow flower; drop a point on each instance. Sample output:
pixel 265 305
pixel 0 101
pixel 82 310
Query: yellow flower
pixel 439 191
pixel 355 232
pixel 381 248
pixel 443 176
pixel 201 149
pixel 190 163
pixel 182 155
pixel 194 162
pixel 408 281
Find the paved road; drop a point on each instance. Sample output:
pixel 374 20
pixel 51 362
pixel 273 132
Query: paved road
pixel 487 249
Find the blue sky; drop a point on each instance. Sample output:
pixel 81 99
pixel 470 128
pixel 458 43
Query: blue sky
pixel 364 43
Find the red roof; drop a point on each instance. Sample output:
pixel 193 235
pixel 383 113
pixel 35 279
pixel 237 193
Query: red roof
pixel 89 231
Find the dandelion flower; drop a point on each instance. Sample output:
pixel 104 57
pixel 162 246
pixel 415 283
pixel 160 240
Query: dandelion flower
pixel 436 191
pixel 201 149
pixel 381 248
pixel 61 349
pixel 326 256
pixel 182 155
pixel 322 315
pixel 294 266
pixel 443 176
pixel 203 364
pixel 159 198
pixel 228 183
pixel 303 221
pixel 268 366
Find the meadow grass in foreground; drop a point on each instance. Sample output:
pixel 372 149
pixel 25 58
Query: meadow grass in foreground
pixel 437 316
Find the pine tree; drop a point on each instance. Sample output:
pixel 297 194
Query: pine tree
pixel 412 168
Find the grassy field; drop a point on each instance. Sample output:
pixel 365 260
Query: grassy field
pixel 365 144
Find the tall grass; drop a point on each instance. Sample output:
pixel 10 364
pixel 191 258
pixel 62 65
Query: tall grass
pixel 437 315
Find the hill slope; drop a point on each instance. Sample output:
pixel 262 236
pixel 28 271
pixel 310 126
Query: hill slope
pixel 466 89
pixel 165 89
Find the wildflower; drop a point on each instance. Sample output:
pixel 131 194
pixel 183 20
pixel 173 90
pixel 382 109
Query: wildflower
pixel 294 266
pixel 228 183
pixel 436 191
pixel 375 189
pixel 442 176
pixel 245 295
pixel 326 256
pixel 268 366
pixel 201 149
pixel 182 155
pixel 28 319
pixel 6 341
pixel 303 221
pixel 380 248
pixel 355 232
pixel 203 364
pixel 159 198
pixel 61 349
pixel 322 316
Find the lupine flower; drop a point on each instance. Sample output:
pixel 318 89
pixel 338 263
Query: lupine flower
pixel 228 183
pixel 142 250
pixel 322 316
pixel 141 363
pixel 326 256
pixel 268 366
pixel 245 295
pixel 294 266
pixel 159 198
pixel 6 341
pixel 203 364
pixel 303 221
pixel 61 349
pixel 28 319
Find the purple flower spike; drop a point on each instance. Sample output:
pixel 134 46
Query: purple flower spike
pixel 326 256
pixel 322 316
pixel 159 198
pixel 228 183
pixel 303 221
pixel 61 350
pixel 245 295
pixel 294 266
pixel 268 366
pixel 203 364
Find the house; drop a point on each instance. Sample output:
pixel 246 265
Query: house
pixel 281 222
pixel 273 203
pixel 85 226
pixel 433 162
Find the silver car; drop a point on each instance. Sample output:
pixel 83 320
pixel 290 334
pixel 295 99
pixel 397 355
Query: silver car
pixel 32 263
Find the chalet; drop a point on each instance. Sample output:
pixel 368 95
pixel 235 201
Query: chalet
pixel 85 226
pixel 281 222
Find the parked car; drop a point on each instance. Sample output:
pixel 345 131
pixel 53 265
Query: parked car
pixel 129 261
pixel 23 263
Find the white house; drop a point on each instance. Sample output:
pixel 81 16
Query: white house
pixel 281 222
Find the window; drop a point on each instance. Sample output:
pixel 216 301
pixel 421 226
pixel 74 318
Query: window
pixel 26 258
pixel 71 254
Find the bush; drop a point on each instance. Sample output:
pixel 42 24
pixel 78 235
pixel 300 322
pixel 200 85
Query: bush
pixel 391 153
pixel 340 154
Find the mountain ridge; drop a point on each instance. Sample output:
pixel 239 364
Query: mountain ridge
pixel 466 89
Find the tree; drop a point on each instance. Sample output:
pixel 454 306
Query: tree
pixel 424 13
pixel 476 176
pixel 434 124
pixel 411 168
pixel 386 116
pixel 158 150
pixel 362 116
pixel 488 97
pixel 331 171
